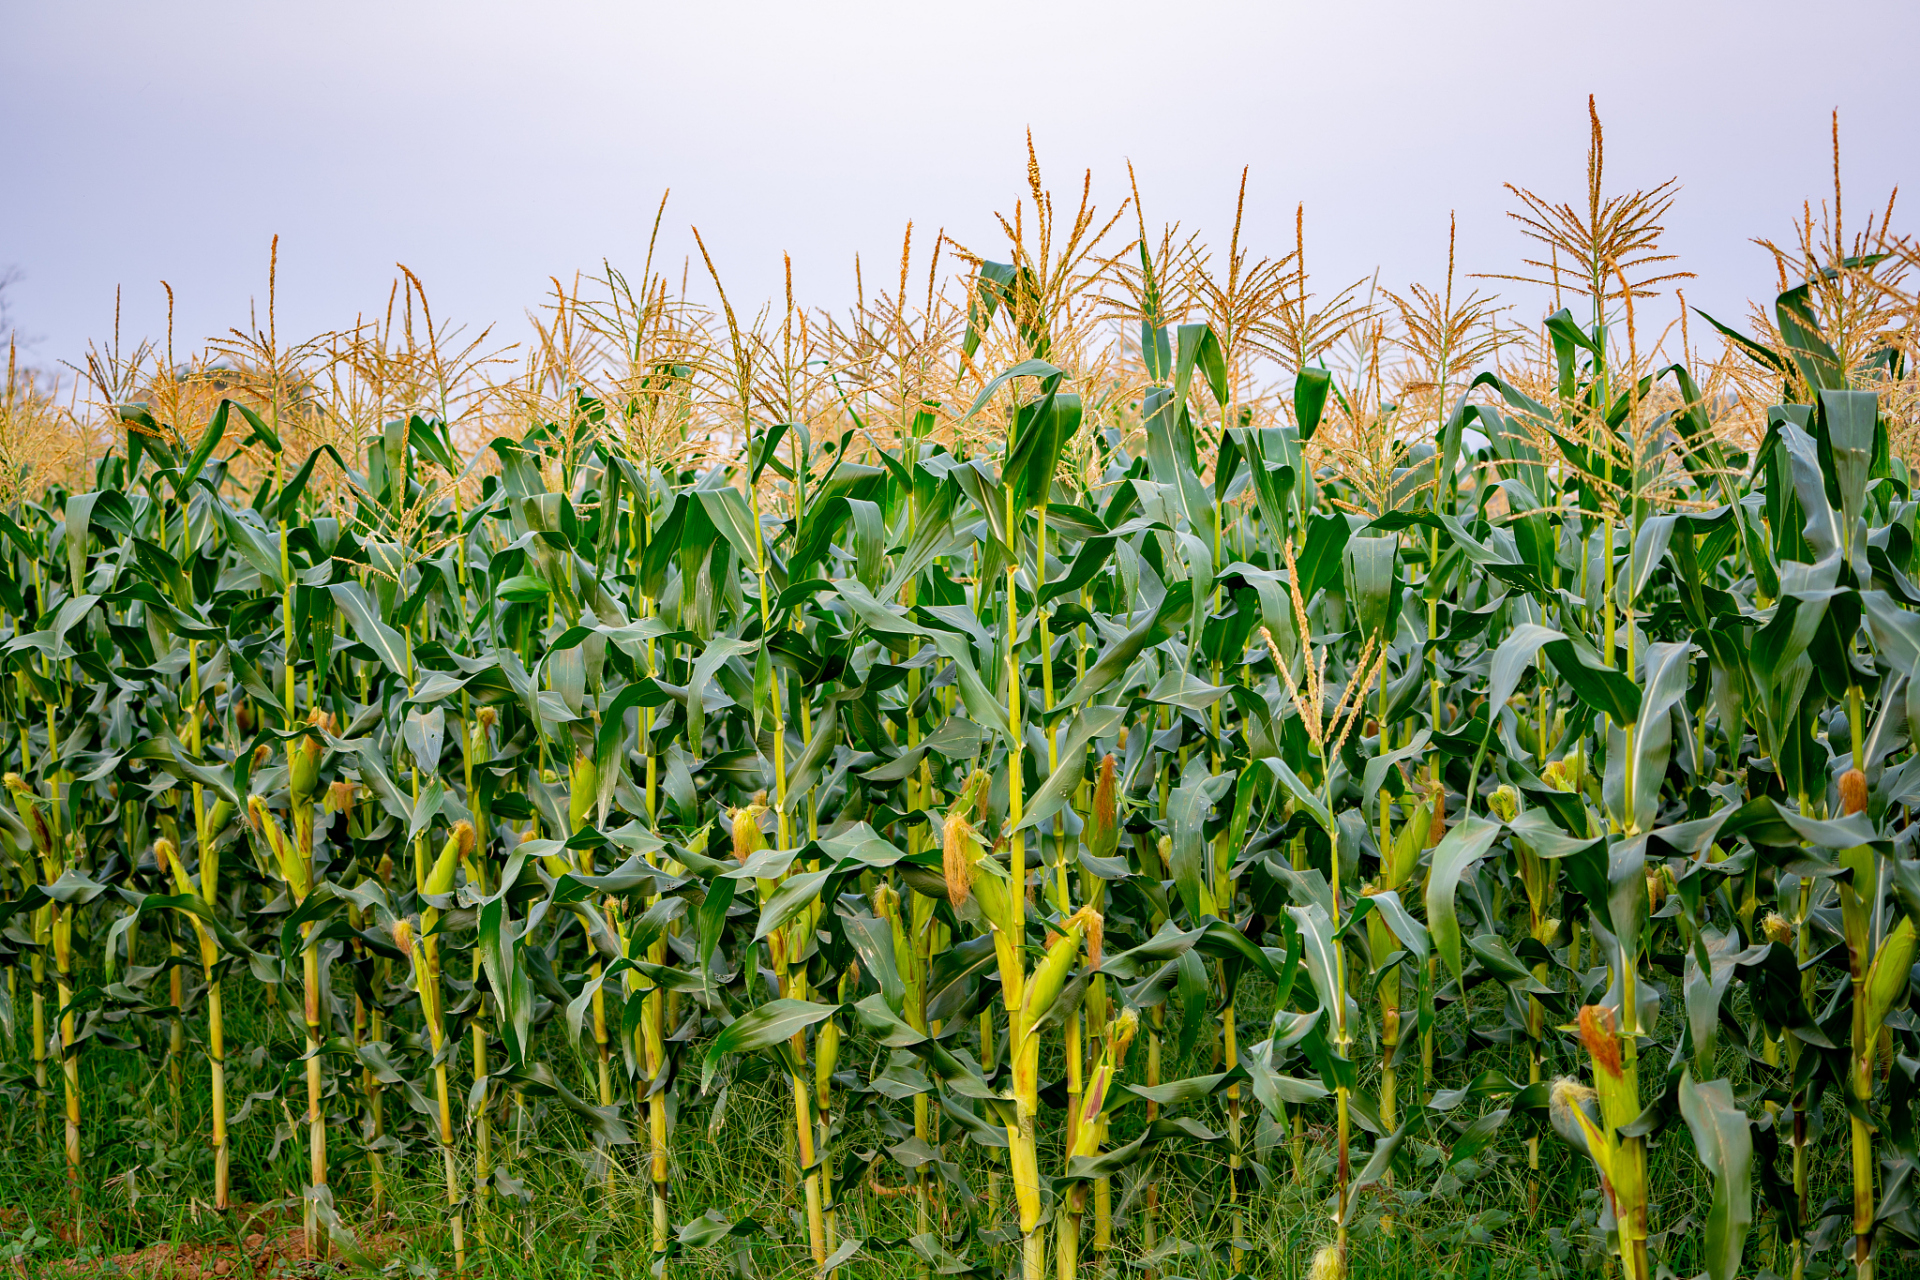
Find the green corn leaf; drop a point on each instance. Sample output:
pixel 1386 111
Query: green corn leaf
pixel 1370 564
pixel 794 895
pixel 1118 656
pixel 1057 791
pixel 767 1026
pixel 1723 1142
pixel 1197 349
pixel 1603 688
pixel 1310 389
pixel 1108 1163
pixel 1465 843
pixel 368 629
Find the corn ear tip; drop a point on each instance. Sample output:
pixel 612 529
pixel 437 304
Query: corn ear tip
pixel 1437 814
pixel 1566 1091
pixel 747 839
pixel 955 864
pixel 1093 927
pixel 1659 881
pixel 1125 1028
pixel 1602 1044
pixel 1853 792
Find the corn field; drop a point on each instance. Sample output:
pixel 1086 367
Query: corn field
pixel 1095 752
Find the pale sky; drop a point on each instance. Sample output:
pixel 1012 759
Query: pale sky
pixel 490 146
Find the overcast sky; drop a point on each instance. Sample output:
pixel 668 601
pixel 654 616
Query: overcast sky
pixel 490 146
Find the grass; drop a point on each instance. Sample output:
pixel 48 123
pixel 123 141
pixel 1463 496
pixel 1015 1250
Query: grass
pixel 1470 1225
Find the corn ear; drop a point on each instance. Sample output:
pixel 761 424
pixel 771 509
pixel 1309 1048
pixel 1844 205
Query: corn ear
pixel 584 783
pixel 458 844
pixel 1892 967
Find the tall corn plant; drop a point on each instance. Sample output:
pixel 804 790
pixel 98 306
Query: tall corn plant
pixel 1041 761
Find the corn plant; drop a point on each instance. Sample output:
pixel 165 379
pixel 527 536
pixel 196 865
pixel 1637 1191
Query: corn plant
pixel 1046 764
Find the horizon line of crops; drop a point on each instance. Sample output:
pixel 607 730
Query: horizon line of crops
pixel 949 685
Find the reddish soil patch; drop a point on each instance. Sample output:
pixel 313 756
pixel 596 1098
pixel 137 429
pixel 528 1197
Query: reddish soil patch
pixel 257 1257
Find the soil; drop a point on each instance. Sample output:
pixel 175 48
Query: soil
pixel 269 1254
